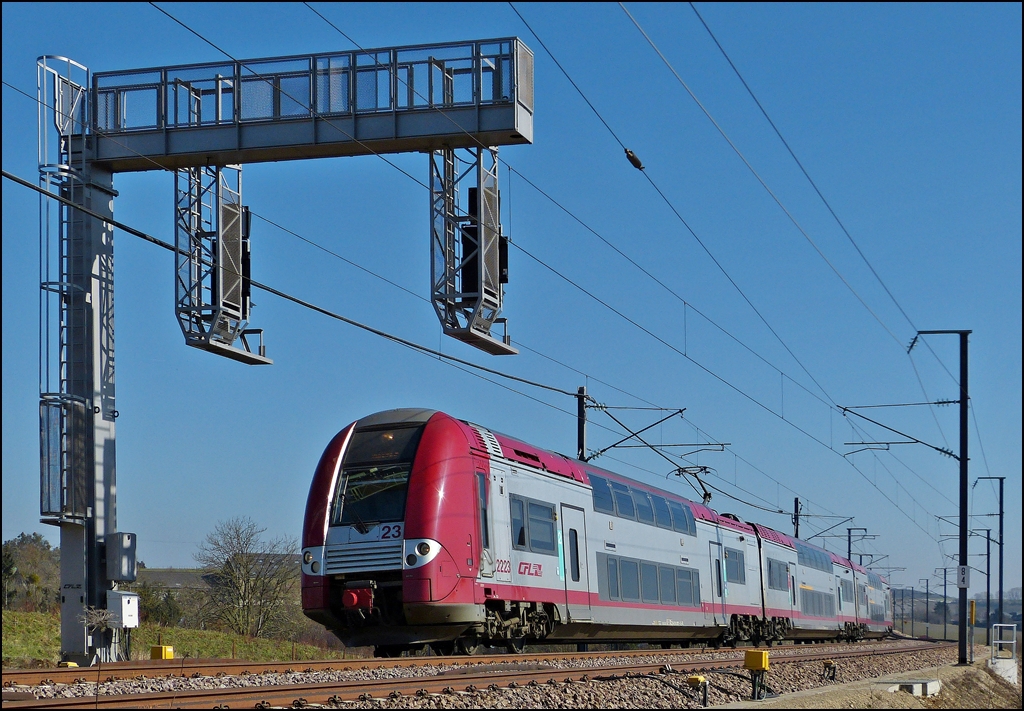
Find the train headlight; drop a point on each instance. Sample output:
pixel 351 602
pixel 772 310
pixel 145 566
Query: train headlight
pixel 423 548
pixel 307 558
pixel 315 567
pixel 411 558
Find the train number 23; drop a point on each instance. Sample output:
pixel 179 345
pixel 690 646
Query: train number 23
pixel 391 531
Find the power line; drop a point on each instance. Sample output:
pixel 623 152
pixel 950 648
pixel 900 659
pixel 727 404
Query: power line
pixel 811 181
pixel 743 158
pixel 786 210
pixel 828 206
pixel 802 168
pixel 681 219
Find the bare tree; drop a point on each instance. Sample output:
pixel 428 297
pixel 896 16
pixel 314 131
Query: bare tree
pixel 251 579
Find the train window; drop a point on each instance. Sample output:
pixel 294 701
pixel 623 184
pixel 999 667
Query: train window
pixel 718 576
pixel 371 494
pixel 735 572
pixel 623 501
pixel 602 495
pixel 383 445
pixel 845 591
pixel 649 582
pixel 613 578
pixel 542 528
pixel 817 604
pixel 629 576
pixel 862 593
pixel 661 512
pixel 778 574
pixel 792 588
pixel 644 510
pixel 667 578
pixel 682 518
pixel 574 555
pixel 518 523
pixel 481 490
pixel 688 587
pixel 813 558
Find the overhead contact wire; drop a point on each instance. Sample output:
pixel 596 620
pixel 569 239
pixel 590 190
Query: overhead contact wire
pixel 756 175
pixel 828 206
pixel 680 217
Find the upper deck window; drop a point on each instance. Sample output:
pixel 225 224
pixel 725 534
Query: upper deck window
pixel 644 510
pixel 383 445
pixel 623 501
pixel 602 495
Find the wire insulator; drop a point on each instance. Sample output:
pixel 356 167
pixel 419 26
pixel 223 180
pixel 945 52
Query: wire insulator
pixel 634 159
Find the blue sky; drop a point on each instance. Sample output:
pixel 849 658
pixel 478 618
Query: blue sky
pixel 908 117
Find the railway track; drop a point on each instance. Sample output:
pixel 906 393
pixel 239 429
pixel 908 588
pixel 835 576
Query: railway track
pixel 480 674
pixel 187 667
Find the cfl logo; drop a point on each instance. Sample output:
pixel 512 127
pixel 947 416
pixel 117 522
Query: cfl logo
pixel 532 569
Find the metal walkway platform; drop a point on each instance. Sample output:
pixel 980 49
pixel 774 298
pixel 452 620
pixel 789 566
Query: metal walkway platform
pixel 391 100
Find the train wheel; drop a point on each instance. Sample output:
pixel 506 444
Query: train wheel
pixel 514 646
pixel 466 646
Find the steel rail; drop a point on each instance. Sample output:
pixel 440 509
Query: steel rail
pixel 211 667
pixel 448 682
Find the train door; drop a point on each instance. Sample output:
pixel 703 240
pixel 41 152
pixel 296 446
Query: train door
pixel 718 590
pixel 577 579
pixel 501 525
pixel 484 526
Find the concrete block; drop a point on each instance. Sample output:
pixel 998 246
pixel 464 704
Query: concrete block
pixel 1006 668
pixel 925 687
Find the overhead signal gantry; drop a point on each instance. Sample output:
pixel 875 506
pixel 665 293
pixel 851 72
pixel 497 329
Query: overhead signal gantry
pixel 457 102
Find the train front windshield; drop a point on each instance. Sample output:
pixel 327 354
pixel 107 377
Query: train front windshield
pixel 375 476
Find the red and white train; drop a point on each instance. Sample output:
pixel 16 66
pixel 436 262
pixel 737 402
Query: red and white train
pixel 424 529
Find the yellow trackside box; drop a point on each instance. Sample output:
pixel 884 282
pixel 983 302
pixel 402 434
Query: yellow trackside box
pixel 161 651
pixel 755 660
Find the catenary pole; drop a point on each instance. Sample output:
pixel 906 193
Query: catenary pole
pixel 964 484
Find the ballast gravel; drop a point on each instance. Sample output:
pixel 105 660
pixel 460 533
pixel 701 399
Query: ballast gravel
pixel 657 691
